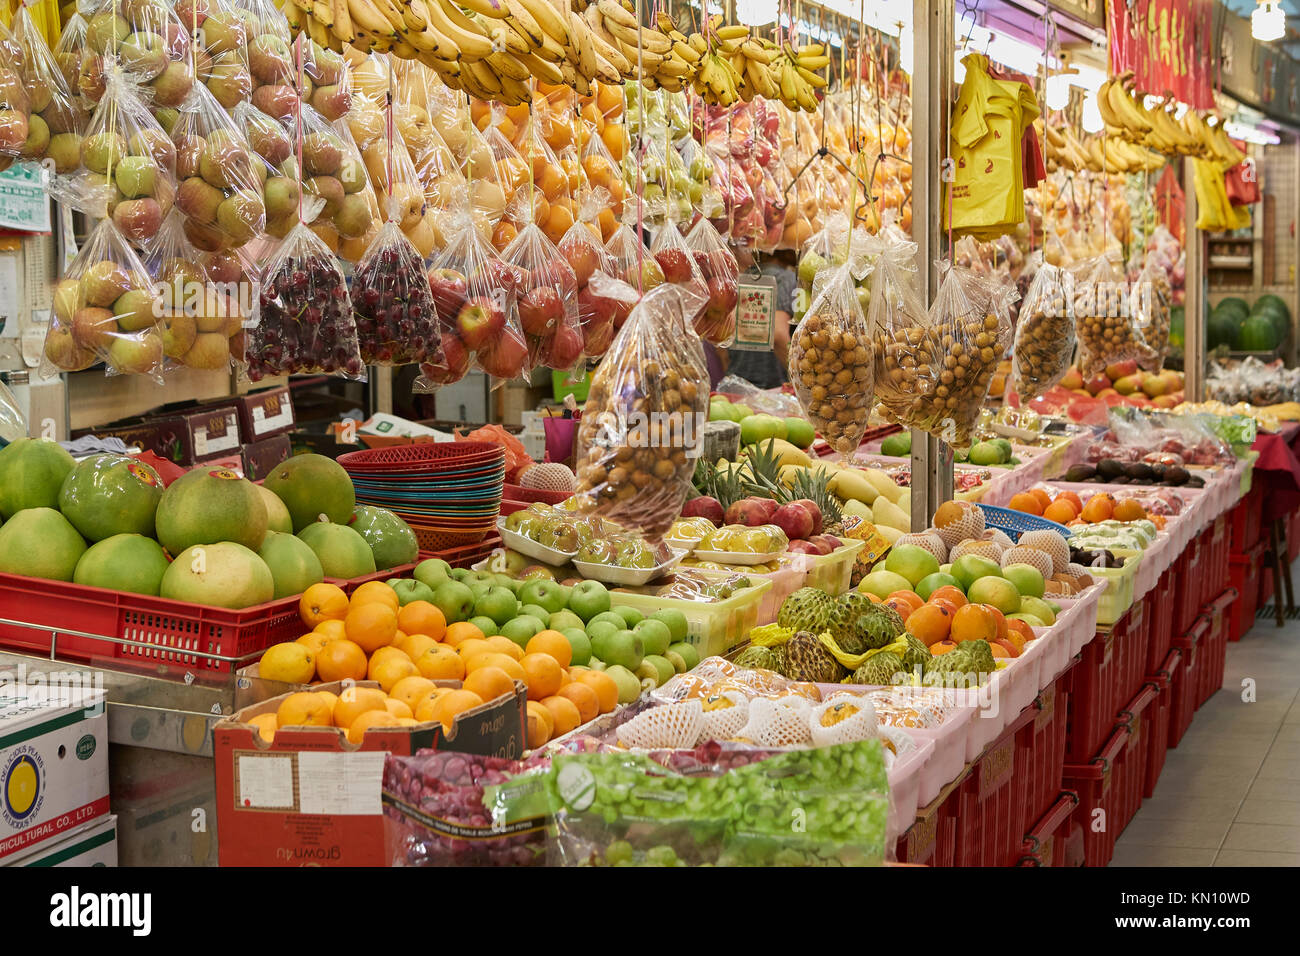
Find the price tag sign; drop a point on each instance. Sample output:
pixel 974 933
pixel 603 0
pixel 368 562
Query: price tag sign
pixel 756 315
pixel 24 205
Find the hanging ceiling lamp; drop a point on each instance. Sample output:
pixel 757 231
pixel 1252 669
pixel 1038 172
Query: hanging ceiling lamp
pixel 1268 21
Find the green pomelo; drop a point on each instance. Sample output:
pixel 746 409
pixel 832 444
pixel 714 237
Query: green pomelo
pixel 343 553
pixel 390 538
pixel 277 515
pixel 311 486
pixel 40 543
pixel 294 565
pixel 206 506
pixel 224 574
pixel 124 562
pixel 31 473
pixel 107 495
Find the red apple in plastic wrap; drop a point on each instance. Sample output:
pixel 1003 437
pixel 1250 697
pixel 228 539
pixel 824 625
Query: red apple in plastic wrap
pixel 479 322
pixel 505 357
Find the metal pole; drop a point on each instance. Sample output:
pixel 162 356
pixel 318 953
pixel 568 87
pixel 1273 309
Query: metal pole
pixel 932 38
pixel 1194 300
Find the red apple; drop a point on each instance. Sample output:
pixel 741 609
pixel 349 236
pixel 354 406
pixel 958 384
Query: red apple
pixel 479 322
pixel 540 310
pixel 505 358
pixel 676 265
pixel 1072 379
pixel 581 255
pixel 449 291
pixel 1118 370
pixel 1097 384
pixel 454 364
pixel 597 335
pixel 564 347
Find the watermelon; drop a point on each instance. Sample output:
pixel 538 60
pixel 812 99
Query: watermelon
pixel 1176 321
pixel 1275 308
pixel 1256 334
pixel 1233 306
pixel 1220 329
pixel 1272 300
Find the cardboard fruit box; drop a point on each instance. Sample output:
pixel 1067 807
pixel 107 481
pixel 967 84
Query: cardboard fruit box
pixel 310 797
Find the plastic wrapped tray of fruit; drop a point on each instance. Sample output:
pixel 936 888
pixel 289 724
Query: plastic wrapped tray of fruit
pixel 742 545
pixel 686 533
pixel 626 562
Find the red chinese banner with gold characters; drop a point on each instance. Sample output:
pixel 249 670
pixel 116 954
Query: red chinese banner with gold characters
pixel 1169 46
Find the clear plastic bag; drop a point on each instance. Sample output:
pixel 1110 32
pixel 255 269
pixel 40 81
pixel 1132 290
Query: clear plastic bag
pixel 1152 305
pixel 397 323
pixel 221 49
pixel 303 322
pixel 602 172
pixel 281 190
pixel 604 302
pixel 67 54
pixel 147 40
pixel 273 67
pixel 633 261
pixel 717 322
pixel 1044 341
pixel 334 173
pixel 642 426
pixel 105 309
pixel 325 79
pixel 680 269
pixel 1103 318
pixel 831 363
pixel 57 118
pixel 219 190
pixel 547 299
pixel 901 329
pixel 199 314
pixel 474 290
pixel 126 168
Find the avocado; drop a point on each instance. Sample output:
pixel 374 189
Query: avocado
pixel 1137 470
pixel 1080 473
pixel 1177 475
pixel 1110 468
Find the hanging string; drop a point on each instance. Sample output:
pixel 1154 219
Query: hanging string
pixel 298 121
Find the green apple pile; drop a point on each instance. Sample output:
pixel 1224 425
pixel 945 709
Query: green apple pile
pixel 639 652
pixel 755 428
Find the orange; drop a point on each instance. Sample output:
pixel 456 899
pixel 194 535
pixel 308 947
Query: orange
pixel 460 631
pixel 322 602
pixel 413 645
pixel 370 719
pixel 303 709
pixel 1072 498
pixel 447 706
pixel 1129 510
pixel 1044 499
pixel 901 606
pixel 553 643
pixel 999 619
pixel 1100 507
pixel 540 724
pixel 999 651
pixel 411 690
pixel 942 647
pixel 875 598
pixel 333 629
pixel 376 591
pixel 372 625
pixel 1062 512
pixel 503 645
pixel 398 708
pixel 1019 633
pixel 421 617
pixel 489 683
pixel 473 646
pixel 355 701
pixel 584 698
pixel 313 641
pixel 565 713
pixel 332 698
pixel 543 675
pixel 424 706
pixel 266 724
pixel 341 660
pixel 615 140
pixel 604 686
pixel 930 623
pixel 501 661
pixel 387 671
pixel 973 622
pixel 440 663
pixel 911 597
pixel 1025 502
pixel 950 593
pixel 384 653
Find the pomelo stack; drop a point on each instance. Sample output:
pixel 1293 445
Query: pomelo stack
pixel 449 492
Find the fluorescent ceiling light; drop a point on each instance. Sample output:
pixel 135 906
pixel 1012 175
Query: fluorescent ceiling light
pixel 754 12
pixel 1268 21
pixel 1091 118
pixel 1251 134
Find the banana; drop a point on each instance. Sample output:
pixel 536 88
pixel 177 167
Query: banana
pixel 484 75
pixel 505 38
pixel 732 32
pixel 487 8
pixel 581 40
pixel 415 18
pixel 321 12
pixel 550 50
pixel 432 40
pixel 549 19
pixel 514 91
pixel 812 49
pixel 686 52
pixel 1109 117
pixel 671 66
pixel 611 55
pixel 544 70
pixel 648 59
pixel 606 72
pixel 296 17
pixel 813 63
pixel 617 13
pixel 698 43
pixel 472 45
pixel 815 80
pixel 506 65
pixel 403 50
pixel 651 40
pixel 366 17
pixel 751 49
pixel 760 79
pixel 524 23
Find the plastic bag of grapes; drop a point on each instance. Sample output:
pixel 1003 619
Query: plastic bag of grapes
pixel 57 117
pixel 201 319
pixel 716 323
pixel 642 426
pixel 548 299
pixel 303 321
pixel 105 309
pixel 397 323
pixel 1044 341
pixel 831 363
pixel 127 165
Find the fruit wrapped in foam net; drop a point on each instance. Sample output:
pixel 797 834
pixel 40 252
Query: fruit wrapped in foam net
pixel 717 676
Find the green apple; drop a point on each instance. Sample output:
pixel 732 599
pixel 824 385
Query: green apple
pixel 997 591
pixel 578 644
pixel 932 582
pixel 911 562
pixel 498 603
pixel 409 590
pixel 1027 579
pixel 485 624
pixel 546 594
pixel 623 648
pixel 588 599
pixel 664 669
pixel 655 635
pixel 970 567
pixel 687 652
pixel 521 629
pixel 454 600
pixel 1029 619
pixel 432 572
pixel 675 620
pixel 629 688
pixel 631 616
pixel 884 583
pixel 613 617
pixel 597 631
pixel 541 613
pixel 563 619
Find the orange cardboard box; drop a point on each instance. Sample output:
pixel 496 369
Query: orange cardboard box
pixel 311 798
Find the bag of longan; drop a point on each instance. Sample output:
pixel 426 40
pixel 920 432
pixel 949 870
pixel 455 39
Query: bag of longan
pixel 1152 301
pixel 1044 341
pixel 898 326
pixel 1103 318
pixel 831 363
pixel 642 427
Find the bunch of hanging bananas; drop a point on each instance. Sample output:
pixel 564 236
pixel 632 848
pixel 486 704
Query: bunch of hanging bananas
pixel 1128 119
pixel 1063 150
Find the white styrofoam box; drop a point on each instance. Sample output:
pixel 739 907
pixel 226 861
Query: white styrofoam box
pixel 53 760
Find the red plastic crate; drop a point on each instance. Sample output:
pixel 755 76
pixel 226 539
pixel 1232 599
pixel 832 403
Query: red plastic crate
pixel 1215 564
pixel 1160 622
pixel 1096 784
pixel 1040 753
pixel 1184 682
pixel 1161 711
pixel 1091 711
pixel 932 839
pixel 1045 842
pixel 1137 717
pixel 1188 587
pixel 1245 520
pixel 990 825
pixel 1132 640
pixel 85 623
pixel 467 554
pixel 1215 646
pixel 1244 570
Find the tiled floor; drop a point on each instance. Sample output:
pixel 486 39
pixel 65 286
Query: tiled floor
pixel 1230 793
